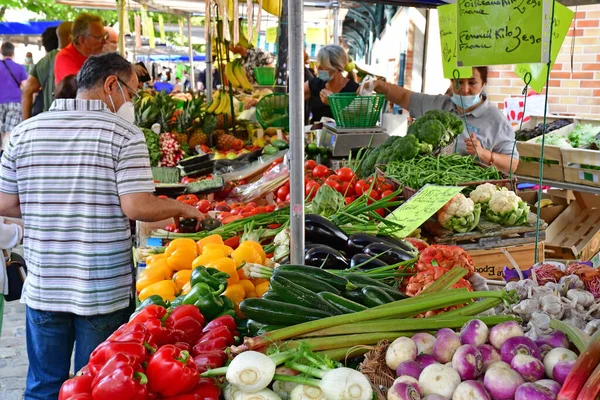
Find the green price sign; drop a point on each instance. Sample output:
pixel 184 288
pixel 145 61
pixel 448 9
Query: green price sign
pixel 447 21
pixel 493 32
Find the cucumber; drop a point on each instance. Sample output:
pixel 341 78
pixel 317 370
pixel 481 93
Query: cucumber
pixel 296 294
pixel 256 328
pixel 394 293
pixel 362 281
pixel 307 282
pixel 344 305
pixel 280 144
pixel 355 295
pixel 271 295
pixel 336 281
pixel 268 328
pixel 374 296
pixel 279 313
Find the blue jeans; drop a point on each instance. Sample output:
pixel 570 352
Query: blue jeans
pixel 51 337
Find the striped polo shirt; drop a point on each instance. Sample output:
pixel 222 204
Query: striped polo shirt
pixel 69 166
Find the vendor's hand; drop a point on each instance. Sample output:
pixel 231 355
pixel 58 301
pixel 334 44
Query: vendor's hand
pixel 323 95
pixel 475 148
pixel 250 103
pixel 189 212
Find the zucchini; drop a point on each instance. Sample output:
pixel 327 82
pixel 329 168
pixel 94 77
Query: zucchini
pixel 362 281
pixel 355 295
pixel 271 295
pixel 256 328
pixel 394 293
pixel 268 328
pixel 375 296
pixel 296 294
pixel 344 305
pixel 307 282
pixel 336 281
pixel 279 313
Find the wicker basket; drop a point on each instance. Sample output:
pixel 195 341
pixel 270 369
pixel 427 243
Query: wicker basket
pixel 374 367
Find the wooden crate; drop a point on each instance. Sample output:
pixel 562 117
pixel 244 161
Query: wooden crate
pixel 490 263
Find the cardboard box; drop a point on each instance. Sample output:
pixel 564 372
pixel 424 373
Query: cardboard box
pixel 490 263
pixel 144 232
pixel 560 200
pixel 582 166
pixel 575 234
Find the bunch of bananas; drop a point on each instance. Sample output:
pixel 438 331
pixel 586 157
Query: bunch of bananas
pixel 236 75
pixel 220 104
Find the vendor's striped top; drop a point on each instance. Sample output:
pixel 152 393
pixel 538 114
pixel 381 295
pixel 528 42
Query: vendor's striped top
pixel 69 166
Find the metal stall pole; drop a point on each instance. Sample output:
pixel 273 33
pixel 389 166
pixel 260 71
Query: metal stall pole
pixel 121 17
pixel 192 77
pixel 296 103
pixel 425 49
pixel 208 52
pixel 336 22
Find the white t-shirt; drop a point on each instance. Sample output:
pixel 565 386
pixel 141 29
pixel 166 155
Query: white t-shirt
pixel 10 236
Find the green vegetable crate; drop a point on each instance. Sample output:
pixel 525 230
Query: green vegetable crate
pixel 265 76
pixel 353 111
pixel 272 111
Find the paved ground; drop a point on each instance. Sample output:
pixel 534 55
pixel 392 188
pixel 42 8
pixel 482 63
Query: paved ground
pixel 13 353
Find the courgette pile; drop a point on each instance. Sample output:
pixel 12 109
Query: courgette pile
pixel 302 293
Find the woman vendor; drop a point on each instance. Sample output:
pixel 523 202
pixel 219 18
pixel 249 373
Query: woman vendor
pixel 488 135
pixel 331 60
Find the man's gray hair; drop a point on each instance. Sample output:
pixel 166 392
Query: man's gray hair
pixel 8 49
pixel 81 26
pixel 97 69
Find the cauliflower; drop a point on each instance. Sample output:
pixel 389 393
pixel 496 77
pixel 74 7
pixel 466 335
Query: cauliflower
pixel 483 193
pixel 506 208
pixel 460 214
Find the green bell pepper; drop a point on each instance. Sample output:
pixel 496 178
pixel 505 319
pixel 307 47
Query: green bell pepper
pixel 208 301
pixel 214 278
pixel 154 299
pixel 228 308
pixel 177 302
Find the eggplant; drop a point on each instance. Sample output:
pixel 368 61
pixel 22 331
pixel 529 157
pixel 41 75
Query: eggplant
pixel 358 241
pixel 369 261
pixel 325 257
pixel 320 230
pixel 402 244
pixel 388 253
pixel 309 245
pixel 188 225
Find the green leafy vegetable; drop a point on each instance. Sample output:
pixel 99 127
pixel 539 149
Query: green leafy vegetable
pixel 327 201
pixel 152 141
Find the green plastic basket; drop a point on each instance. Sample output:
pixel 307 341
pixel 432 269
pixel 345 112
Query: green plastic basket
pixel 264 75
pixel 353 111
pixel 272 111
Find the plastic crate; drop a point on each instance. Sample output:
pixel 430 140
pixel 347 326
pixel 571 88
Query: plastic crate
pixel 272 111
pixel 353 111
pixel 264 75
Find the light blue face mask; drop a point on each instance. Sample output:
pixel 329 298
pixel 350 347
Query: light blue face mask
pixel 324 75
pixel 465 102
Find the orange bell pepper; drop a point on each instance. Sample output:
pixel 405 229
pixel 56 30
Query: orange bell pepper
pixel 249 288
pixel 165 289
pixel 150 259
pixel 261 288
pixel 226 265
pixel 215 239
pixel 235 293
pixel 181 253
pixel 207 257
pixel 182 277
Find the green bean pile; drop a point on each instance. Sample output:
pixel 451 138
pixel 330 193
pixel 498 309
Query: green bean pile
pixel 439 170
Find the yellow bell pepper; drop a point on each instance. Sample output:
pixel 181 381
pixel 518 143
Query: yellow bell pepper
pixel 221 247
pixel 214 239
pixel 186 288
pixel 150 259
pixel 165 289
pixel 181 253
pixel 246 254
pixel 228 266
pixel 235 293
pixel 258 281
pixel 257 246
pixel 160 265
pixel 207 257
pixel 249 288
pixel 182 277
pixel 149 276
pixel 261 288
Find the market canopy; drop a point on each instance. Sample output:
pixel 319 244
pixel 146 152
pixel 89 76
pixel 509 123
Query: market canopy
pixel 32 28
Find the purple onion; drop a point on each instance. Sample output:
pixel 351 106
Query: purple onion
pixel 403 391
pixel 561 370
pixel 502 383
pixel 411 381
pixel 470 390
pixel 467 361
pixel 424 342
pixel 425 360
pixel 489 355
pixel 445 345
pixel 503 331
pixel 410 368
pixel 530 368
pixel 549 384
pixel 555 339
pixel 474 332
pixel 519 345
pixel 531 391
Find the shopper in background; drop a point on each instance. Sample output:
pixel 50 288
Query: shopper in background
pixel 142 74
pixel 12 76
pixel 112 42
pixel 28 61
pixel 11 234
pixel 41 76
pixel 164 85
pixel 216 77
pixel 76 198
pixel 67 88
pixel 88 38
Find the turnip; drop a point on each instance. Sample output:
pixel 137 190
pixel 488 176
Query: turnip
pixel 555 339
pixel 445 345
pixel 401 349
pixel 503 331
pixel 489 355
pixel 403 391
pixel 519 345
pixel 544 348
pixel 435 397
pixel 467 362
pixel 561 370
pixel 530 368
pixel 474 332
pixel 424 342
pixel 425 360
pixel 470 390
pixel 410 368
pixel 556 355
pixel 499 364
pixel 439 379
pixel 502 382
pixel 532 391
pixel 550 384
pixel 443 331
pixel 411 381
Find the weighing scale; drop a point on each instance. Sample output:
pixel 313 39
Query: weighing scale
pixel 340 141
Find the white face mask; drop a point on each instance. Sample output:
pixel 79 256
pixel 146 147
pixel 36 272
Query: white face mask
pixel 127 109
pixel 465 102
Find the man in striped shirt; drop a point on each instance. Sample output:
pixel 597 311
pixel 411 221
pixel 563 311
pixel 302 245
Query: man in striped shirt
pixel 76 174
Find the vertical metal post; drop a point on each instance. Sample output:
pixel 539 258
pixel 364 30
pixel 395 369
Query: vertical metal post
pixel 121 16
pixel 425 48
pixel 192 77
pixel 296 101
pixel 336 23
pixel 208 52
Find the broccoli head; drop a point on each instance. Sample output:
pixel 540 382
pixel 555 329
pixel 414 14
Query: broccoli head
pixel 386 155
pixel 367 166
pixel 438 115
pixel 455 124
pixel 431 132
pixel 407 148
pixel 413 129
pixel 390 141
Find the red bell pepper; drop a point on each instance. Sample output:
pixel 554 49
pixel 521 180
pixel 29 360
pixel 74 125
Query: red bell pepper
pixel 183 346
pixel 187 310
pixel 187 396
pixel 225 320
pixel 210 360
pixel 153 311
pixel 221 331
pixel 162 334
pixel 136 332
pixel 138 351
pixel 81 396
pixel 219 343
pixel 188 319
pixel 124 383
pixel 79 384
pixel 172 371
pixel 205 390
pixel 118 360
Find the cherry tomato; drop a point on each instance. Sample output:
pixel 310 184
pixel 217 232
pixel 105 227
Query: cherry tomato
pixel 236 210
pixel 346 174
pixel 204 206
pixel 260 209
pixel 270 208
pixel 311 189
pixel 334 185
pixel 252 203
pixel 288 197
pixel 310 164
pixel 222 206
pixel 320 171
pixel 387 193
pixel 361 187
pixel 347 189
pixel 283 191
pixel 374 194
pixel 380 211
pixel 189 199
pixel 170 228
pixel 385 186
pixel 248 208
pixel 334 178
pixel 186 180
pixel 349 200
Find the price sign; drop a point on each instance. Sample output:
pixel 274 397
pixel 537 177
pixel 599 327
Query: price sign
pixel 316 35
pixel 447 21
pixel 271 34
pixel 502 32
pixel 562 21
pixel 425 203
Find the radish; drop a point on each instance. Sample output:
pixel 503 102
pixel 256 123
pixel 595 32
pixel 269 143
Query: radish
pixel 424 342
pixel 445 345
pixel 519 345
pixel 467 361
pixel 470 390
pixel 530 368
pixel 439 379
pixel 401 349
pixel 532 391
pixel 555 356
pixel 502 382
pixel 503 331
pixel 474 332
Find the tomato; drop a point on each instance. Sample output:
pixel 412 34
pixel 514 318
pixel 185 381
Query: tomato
pixel 310 164
pixel 345 174
pixel 374 194
pixel 288 197
pixel 334 178
pixel 380 211
pixel 270 208
pixel 204 206
pixel 189 199
pixel 252 204
pixel 222 206
pixel 162 196
pixel 334 185
pixel 384 187
pixel 223 215
pixel 349 200
pixel 230 219
pixel 170 228
pixel 248 208
pixel 185 180
pixel 311 188
pixel 282 192
pixel 274 226
pixel 236 210
pixel 387 193
pixel 361 187
pixel 320 171
pixel 347 189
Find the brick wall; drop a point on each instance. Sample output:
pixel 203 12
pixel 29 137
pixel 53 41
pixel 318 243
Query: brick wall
pixel 575 92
